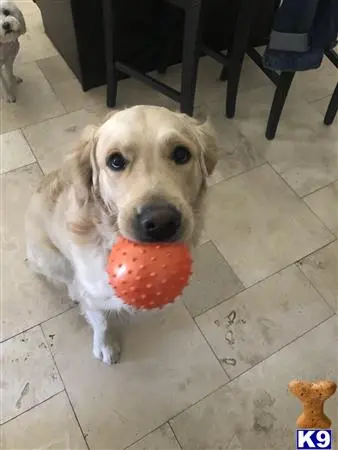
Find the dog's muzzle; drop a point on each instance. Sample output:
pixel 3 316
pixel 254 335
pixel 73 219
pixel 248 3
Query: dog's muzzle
pixel 7 27
pixel 157 222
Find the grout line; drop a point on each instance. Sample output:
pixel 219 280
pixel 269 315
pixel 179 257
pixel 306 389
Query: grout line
pixel 22 130
pixel 145 436
pixel 33 124
pixel 239 174
pixel 52 87
pixel 35 163
pixel 284 267
pixel 33 152
pixel 286 345
pixel 312 102
pixel 211 348
pixel 320 188
pixel 173 432
pixel 38 324
pixel 150 432
pixel 226 299
pixel 299 267
pixel 249 369
pixel 64 385
pixel 32 407
pixel 294 263
pixel 298 195
pixel 301 198
pixel 205 339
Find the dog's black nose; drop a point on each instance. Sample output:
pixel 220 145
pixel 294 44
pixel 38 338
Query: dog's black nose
pixel 6 26
pixel 158 222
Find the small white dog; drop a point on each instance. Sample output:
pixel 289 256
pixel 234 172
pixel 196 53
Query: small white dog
pixel 12 25
pixel 141 174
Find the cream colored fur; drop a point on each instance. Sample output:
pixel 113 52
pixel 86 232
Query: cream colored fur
pixel 74 218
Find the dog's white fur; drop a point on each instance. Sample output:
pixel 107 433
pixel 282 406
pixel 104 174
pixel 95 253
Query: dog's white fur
pixel 12 26
pixel 75 216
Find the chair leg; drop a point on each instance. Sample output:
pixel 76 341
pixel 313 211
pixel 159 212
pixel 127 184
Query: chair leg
pixel 108 17
pixel 224 72
pixel 279 99
pixel 169 23
pixel 191 53
pixel 332 108
pixel 241 38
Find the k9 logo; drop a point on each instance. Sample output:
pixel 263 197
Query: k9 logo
pixel 314 439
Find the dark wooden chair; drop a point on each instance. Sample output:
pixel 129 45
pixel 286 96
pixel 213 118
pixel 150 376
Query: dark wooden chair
pixel 331 111
pixel 283 83
pixel 190 55
pixel 232 68
pixel 229 33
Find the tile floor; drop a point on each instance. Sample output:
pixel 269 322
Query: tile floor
pixel 210 372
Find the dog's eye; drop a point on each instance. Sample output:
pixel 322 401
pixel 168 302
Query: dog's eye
pixel 6 12
pixel 116 161
pixel 180 155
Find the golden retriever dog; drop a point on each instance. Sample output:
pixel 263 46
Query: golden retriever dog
pixel 141 174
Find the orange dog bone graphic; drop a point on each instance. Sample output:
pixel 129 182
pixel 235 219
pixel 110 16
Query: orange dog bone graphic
pixel 313 396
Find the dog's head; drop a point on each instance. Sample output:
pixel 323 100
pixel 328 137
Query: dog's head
pixel 147 166
pixel 12 22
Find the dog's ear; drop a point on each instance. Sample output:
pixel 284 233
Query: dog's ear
pixel 79 169
pixel 21 20
pixel 207 141
pixel 205 138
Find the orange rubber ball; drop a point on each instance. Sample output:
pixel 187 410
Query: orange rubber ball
pixel 148 276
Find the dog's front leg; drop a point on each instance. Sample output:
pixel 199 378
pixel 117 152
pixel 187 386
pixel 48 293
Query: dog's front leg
pixel 12 80
pixel 10 70
pixel 7 86
pixel 108 353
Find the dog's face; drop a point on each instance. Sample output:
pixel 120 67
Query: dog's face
pixel 148 166
pixel 12 22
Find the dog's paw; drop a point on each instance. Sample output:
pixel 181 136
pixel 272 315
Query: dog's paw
pixel 18 80
pixel 109 354
pixel 11 98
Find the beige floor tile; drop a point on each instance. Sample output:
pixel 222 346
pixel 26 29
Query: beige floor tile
pixel 213 280
pixel 166 366
pixel 325 204
pixel 316 84
pixel 161 439
pixel 236 154
pixel 52 139
pixel 27 300
pixel 34 45
pixel 55 70
pixel 15 151
pixel 209 87
pixel 73 98
pixel 321 268
pixel 36 100
pixel 29 375
pixel 261 226
pixel 130 92
pixel 30 10
pixel 259 321
pixel 215 177
pixel 203 238
pixel 256 409
pixel 212 89
pixel 51 425
pixel 322 104
pixel 304 152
